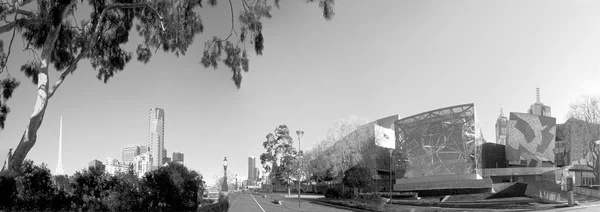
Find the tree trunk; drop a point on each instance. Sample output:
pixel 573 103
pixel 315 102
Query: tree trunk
pixel 35 121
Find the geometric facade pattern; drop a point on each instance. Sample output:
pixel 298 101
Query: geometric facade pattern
pixel 531 139
pixel 440 142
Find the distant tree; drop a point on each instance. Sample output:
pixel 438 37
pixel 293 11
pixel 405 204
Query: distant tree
pixel 54 36
pixel 357 177
pixel 348 137
pixel 280 155
pixel 587 109
pixel 218 181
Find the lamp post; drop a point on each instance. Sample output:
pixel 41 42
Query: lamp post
pixel 300 133
pixel 236 183
pixel 224 186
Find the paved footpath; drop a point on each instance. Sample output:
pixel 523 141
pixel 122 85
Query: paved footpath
pixel 257 203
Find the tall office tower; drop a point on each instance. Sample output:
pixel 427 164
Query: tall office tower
pixel 59 169
pixel 501 129
pixel 156 140
pixel 251 170
pixel 129 152
pixel 539 108
pixel 178 157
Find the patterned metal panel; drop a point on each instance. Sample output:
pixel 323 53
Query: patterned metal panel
pixel 440 142
pixel 531 139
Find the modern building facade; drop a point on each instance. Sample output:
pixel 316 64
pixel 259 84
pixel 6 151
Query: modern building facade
pixel 531 140
pixel 156 136
pixel 96 164
pixel 440 142
pixel 251 170
pixel 441 146
pixel 141 164
pixel 178 157
pixel 129 152
pixel 115 166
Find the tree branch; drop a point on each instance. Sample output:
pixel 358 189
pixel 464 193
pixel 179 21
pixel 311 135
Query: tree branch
pixel 7 27
pixel 232 25
pixel 24 12
pixel 65 73
pixel 10 46
pixel 94 39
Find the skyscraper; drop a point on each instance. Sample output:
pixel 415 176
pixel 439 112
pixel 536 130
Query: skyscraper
pixel 156 136
pixel 178 157
pixel 59 169
pixel 251 170
pixel 129 152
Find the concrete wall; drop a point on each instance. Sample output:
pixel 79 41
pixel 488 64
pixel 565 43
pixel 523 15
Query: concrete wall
pixel 587 191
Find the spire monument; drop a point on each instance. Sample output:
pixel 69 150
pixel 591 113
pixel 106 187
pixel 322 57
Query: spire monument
pixel 59 169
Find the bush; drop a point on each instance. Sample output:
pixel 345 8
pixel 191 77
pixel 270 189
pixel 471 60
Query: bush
pixel 332 193
pixel 357 177
pixel 348 194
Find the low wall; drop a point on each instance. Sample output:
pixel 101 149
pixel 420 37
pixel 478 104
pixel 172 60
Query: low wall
pixel 497 187
pixel 426 179
pixel 483 183
pixel 586 191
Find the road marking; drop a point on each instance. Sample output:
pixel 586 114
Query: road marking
pixel 263 210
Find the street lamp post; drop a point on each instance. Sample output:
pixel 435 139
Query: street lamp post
pixel 236 183
pixel 224 186
pixel 300 133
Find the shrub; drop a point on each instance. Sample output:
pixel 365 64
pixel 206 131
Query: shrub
pixel 357 177
pixel 348 194
pixel 368 196
pixel 332 193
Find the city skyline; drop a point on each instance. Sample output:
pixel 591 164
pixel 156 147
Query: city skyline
pixel 397 57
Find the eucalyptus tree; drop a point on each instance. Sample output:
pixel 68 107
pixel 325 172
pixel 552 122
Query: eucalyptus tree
pixel 58 39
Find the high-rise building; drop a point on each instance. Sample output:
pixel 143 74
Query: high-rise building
pixel 501 129
pixel 141 164
pixel 96 164
pixel 251 170
pixel 114 166
pixel 178 157
pixel 129 152
pixel 59 169
pixel 156 136
pixel 539 108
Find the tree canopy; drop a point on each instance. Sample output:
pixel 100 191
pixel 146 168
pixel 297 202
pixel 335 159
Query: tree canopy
pixel 57 38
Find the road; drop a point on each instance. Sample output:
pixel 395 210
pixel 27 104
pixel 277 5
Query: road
pixel 257 203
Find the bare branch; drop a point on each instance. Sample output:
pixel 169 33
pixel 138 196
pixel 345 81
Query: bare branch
pixel 232 25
